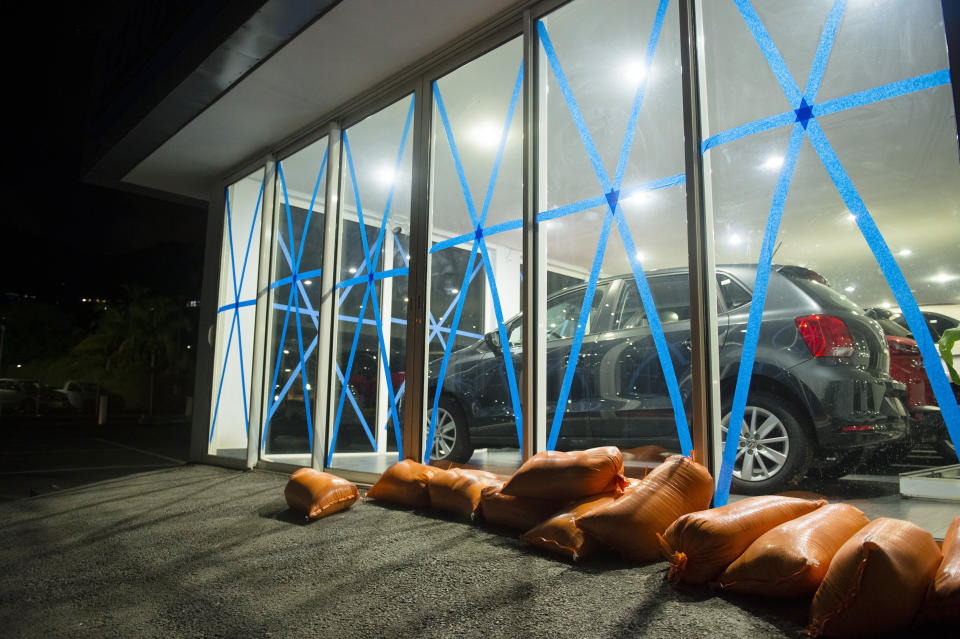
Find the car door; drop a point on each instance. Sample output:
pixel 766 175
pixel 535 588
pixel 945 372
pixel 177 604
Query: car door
pixel 636 405
pixel 562 317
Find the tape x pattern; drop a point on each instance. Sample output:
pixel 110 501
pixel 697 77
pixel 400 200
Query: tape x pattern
pixel 802 117
pixel 235 307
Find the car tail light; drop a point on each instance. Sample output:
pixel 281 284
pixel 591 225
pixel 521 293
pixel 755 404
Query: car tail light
pixel 825 336
pixel 902 346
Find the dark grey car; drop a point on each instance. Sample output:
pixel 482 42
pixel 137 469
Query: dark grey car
pixel 820 385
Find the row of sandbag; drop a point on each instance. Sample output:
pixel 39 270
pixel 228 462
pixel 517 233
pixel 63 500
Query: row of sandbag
pixel 865 577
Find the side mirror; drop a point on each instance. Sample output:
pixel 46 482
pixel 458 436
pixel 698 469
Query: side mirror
pixel 493 341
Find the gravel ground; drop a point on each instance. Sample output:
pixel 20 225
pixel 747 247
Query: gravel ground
pixel 200 551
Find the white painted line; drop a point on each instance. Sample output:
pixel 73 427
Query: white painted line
pixel 142 451
pixel 47 471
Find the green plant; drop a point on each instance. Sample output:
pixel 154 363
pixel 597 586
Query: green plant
pixel 947 340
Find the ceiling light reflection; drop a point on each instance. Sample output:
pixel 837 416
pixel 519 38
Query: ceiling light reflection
pixel 773 163
pixel 486 135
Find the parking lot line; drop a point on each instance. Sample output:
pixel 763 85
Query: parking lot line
pixel 142 451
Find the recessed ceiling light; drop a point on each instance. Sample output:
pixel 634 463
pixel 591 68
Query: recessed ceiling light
pixel 943 278
pixel 486 135
pixel 773 163
pixel 633 72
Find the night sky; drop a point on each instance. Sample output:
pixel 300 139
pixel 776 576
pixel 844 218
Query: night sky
pixel 62 239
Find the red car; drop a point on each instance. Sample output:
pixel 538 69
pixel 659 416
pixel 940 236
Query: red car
pixel 906 365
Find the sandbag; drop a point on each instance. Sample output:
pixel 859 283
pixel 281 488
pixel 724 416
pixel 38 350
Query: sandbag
pixel 631 523
pixel 792 559
pixel 943 598
pixel 560 533
pixel 404 483
pixel 317 494
pixel 700 545
pixel 567 476
pixel 876 581
pixel 458 490
pixel 522 513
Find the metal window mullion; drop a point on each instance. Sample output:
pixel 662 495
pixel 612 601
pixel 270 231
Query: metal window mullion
pixel 326 335
pixel 258 354
pixel 534 280
pixel 270 348
pixel 705 394
pixel 413 433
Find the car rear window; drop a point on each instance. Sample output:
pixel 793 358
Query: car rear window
pixel 822 293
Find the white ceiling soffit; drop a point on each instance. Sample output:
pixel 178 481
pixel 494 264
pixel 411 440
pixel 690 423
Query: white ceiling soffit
pixel 355 46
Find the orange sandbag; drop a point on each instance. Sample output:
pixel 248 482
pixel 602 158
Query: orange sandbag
pixel 943 598
pixel 631 523
pixel 560 533
pixel 700 545
pixel 404 483
pixel 791 559
pixel 566 476
pixel 458 490
pixel 317 494
pixel 522 513
pixel 876 581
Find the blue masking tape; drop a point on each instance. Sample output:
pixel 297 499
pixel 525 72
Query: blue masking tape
pixel 288 384
pixel 236 305
pixel 479 242
pixel 572 106
pixel 770 52
pixel 438 326
pixel 385 352
pixel 277 362
pixel 612 196
pixel 344 388
pixel 446 355
pixel 303 375
pixel 659 339
pixel 584 317
pixel 745 371
pixel 627 143
pixel 820 59
pixel 313 199
pixel 370 288
pixel 223 372
pixel 885 92
pixel 358 412
pixel 844 103
pixel 894 276
pixel 848 193
pixel 286 208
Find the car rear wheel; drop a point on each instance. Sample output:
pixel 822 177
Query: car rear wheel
pixel 451 440
pixel 774 451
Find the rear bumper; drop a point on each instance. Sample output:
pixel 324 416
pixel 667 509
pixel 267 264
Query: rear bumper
pixel 851 408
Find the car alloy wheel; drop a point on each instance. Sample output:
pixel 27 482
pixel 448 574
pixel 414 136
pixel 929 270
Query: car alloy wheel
pixel 764 445
pixel 445 437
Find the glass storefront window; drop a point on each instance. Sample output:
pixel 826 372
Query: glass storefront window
pixel 613 224
pixel 236 318
pixel 371 290
pixel 290 397
pixel 833 178
pixel 476 246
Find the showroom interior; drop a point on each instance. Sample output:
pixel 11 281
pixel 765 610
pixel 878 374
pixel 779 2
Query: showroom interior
pixel 558 225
